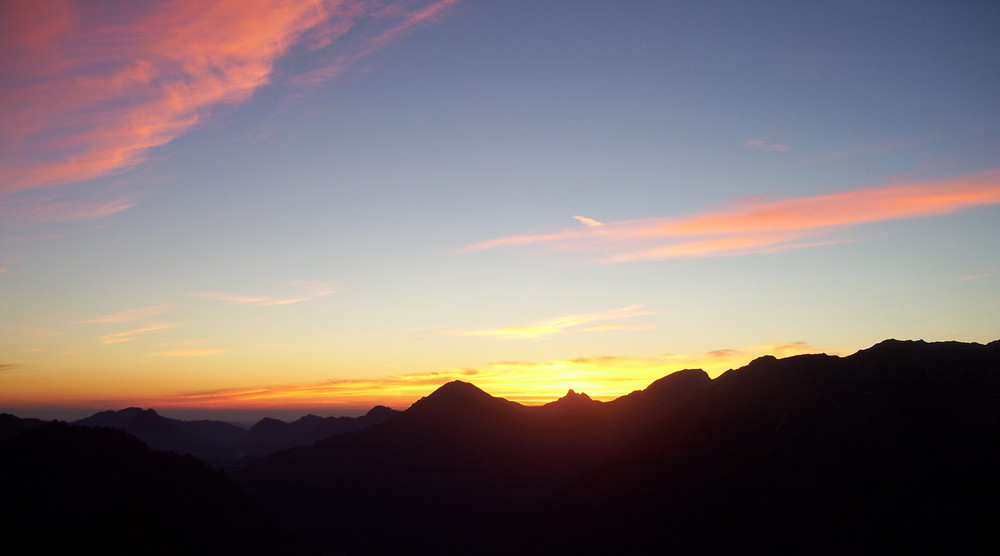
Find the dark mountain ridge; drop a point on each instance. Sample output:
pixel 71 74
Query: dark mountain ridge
pixel 889 447
pixel 892 448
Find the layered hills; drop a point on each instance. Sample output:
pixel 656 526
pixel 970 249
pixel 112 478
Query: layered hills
pixel 226 445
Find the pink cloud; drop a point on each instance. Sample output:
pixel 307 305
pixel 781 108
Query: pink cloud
pixel 88 91
pixel 765 144
pixel 766 226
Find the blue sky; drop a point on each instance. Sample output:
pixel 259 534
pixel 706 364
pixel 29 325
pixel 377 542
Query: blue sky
pixel 326 207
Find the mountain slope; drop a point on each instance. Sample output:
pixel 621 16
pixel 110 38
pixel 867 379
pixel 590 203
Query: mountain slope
pixel 891 447
pixel 71 489
pixel 459 470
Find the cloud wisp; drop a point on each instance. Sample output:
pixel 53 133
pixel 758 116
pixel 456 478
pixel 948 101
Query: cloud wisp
pixel 313 290
pixel 764 226
pixel 132 315
pixel 192 352
pixel 765 144
pixel 129 335
pixel 85 95
pixel 568 323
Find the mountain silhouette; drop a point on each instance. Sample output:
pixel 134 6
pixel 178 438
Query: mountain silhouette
pixel 11 425
pixel 459 470
pixel 223 444
pixel 892 447
pixel 72 489
pixel 270 435
pixel 206 439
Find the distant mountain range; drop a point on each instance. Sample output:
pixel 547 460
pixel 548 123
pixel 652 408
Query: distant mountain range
pixel 893 448
pixel 226 445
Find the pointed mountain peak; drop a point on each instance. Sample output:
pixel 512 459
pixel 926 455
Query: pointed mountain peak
pixel 572 399
pixel 458 391
pixel 381 411
pixel 268 425
pixel 458 396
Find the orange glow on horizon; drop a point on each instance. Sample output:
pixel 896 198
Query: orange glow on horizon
pixel 603 378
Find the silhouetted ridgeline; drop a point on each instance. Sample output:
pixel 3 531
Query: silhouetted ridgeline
pixel 894 448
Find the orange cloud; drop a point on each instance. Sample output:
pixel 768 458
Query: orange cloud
pixel 132 314
pixel 187 352
pixel 603 377
pixel 85 94
pixel 762 226
pixel 129 335
pixel 569 323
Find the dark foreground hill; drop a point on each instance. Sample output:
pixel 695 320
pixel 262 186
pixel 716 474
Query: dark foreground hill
pixel 894 447
pixel 78 490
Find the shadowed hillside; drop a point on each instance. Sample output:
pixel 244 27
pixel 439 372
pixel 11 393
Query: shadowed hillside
pixel 71 490
pixel 891 447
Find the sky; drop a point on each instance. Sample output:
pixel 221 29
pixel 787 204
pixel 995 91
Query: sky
pixel 240 208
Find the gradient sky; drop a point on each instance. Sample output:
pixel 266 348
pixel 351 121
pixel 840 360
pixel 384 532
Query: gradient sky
pixel 320 206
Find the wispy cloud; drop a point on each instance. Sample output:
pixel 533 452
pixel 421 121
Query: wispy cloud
pixel 765 226
pixel 765 144
pixel 84 95
pixel 589 221
pixel 569 323
pixel 397 19
pixel 47 206
pixel 979 276
pixel 313 290
pixel 129 335
pixel 603 377
pixel 132 315
pixel 187 352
